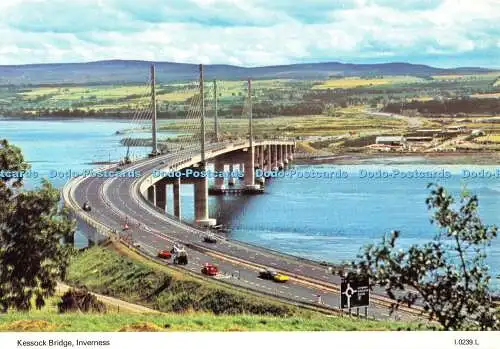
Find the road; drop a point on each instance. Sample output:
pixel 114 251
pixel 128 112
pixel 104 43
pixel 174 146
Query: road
pixel 116 200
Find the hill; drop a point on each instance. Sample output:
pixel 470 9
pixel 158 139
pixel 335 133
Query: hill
pixel 130 71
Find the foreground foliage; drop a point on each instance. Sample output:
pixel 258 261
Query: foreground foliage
pixel 80 300
pixel 32 227
pixel 448 275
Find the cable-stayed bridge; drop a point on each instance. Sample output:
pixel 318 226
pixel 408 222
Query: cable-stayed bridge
pixel 132 209
pixel 202 145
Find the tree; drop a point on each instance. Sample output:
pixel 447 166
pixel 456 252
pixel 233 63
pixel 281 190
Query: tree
pixel 448 275
pixel 32 228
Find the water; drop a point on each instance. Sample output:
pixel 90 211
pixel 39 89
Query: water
pixel 319 218
pixel 61 145
pixel 333 218
pixel 330 218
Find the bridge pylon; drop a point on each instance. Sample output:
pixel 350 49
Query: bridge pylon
pixel 154 151
pixel 216 114
pixel 201 184
pixel 250 158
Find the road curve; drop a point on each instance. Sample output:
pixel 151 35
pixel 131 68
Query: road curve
pixel 115 200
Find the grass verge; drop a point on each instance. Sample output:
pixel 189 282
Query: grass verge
pixel 191 304
pixel 142 282
pixel 40 321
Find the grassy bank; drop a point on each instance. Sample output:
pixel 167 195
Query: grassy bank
pixel 49 320
pixel 192 304
pixel 107 272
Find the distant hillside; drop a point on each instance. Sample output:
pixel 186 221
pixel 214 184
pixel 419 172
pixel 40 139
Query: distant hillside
pixel 124 71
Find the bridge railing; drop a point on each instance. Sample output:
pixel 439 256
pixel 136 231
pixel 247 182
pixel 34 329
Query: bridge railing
pixel 73 206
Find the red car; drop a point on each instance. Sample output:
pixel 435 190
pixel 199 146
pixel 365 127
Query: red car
pixel 165 254
pixel 209 269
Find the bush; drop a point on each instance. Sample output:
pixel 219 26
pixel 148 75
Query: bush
pixel 80 300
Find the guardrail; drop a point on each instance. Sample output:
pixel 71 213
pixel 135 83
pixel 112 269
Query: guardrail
pixel 67 194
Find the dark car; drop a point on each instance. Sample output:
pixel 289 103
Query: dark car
pixel 210 239
pixel 86 207
pixel 267 274
pixel 271 274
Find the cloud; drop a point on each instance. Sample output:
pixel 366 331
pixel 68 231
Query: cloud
pixel 61 16
pixel 251 32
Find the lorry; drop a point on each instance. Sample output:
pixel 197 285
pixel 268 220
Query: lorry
pixel 180 255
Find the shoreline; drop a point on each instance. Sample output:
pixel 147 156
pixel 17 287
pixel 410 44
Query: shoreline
pixel 346 158
pixel 101 117
pixel 451 158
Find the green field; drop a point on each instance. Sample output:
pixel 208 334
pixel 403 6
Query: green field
pixel 338 107
pixel 493 138
pixel 275 94
pixel 469 77
pixel 49 320
pixel 313 125
pixel 353 82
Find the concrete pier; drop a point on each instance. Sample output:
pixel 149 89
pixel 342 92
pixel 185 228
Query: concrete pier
pixel 161 195
pixel 285 155
pixel 280 163
pixel 261 157
pixel 231 179
pixel 177 197
pixel 269 158
pixel 274 163
pixel 201 203
pixel 219 167
pixel 152 194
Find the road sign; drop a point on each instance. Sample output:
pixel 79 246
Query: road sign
pixel 354 292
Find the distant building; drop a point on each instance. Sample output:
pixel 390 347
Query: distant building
pixel 430 132
pixel 410 112
pixel 456 128
pixel 419 139
pixel 477 133
pixel 391 140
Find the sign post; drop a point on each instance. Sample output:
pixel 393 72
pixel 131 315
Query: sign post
pixel 355 293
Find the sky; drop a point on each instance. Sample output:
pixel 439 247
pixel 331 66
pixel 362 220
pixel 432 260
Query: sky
pixel 441 33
